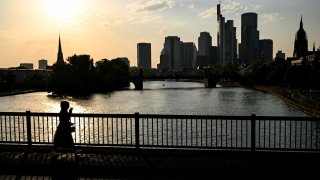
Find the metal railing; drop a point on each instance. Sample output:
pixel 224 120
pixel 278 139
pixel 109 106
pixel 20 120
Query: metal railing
pixel 167 131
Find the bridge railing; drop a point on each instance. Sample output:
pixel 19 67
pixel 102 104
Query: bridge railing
pixel 167 131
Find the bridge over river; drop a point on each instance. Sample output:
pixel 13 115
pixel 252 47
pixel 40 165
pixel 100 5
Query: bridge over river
pixel 140 146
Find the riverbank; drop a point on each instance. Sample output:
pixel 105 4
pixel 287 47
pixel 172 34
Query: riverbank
pixel 304 101
pixel 17 92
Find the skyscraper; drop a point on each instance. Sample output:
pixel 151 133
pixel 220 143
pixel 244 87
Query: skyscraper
pixel 249 47
pixel 204 44
pixel 60 54
pixel 226 40
pixel 172 52
pixel 144 55
pixel 301 42
pixel 189 55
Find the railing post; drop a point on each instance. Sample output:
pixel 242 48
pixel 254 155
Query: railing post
pixel 28 116
pixel 136 122
pixel 253 132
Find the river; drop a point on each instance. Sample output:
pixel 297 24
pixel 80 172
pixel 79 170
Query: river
pixel 160 97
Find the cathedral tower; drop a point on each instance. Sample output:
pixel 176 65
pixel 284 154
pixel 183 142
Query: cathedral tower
pixel 60 55
pixel 301 42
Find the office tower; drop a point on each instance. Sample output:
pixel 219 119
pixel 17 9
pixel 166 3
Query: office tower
pixel 144 55
pixel 172 52
pixel 249 47
pixel 266 50
pixel 60 54
pixel 301 42
pixel 43 64
pixel 226 40
pixel 189 55
pixel 204 44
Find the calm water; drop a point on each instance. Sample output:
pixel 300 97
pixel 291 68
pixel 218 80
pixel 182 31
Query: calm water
pixel 160 97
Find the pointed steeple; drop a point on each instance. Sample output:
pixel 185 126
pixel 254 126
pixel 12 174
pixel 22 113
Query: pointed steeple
pixel 60 54
pixel 301 23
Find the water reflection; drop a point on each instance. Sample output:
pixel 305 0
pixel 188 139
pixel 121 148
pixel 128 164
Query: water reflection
pixel 160 97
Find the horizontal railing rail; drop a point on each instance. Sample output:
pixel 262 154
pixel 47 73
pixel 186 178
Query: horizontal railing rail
pixel 166 131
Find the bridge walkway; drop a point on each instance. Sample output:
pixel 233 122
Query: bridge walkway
pixel 128 163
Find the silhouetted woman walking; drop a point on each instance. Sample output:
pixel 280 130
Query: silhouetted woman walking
pixel 63 137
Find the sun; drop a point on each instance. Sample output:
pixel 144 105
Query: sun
pixel 63 9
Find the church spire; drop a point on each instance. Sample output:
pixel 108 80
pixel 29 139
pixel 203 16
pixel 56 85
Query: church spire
pixel 301 23
pixel 60 55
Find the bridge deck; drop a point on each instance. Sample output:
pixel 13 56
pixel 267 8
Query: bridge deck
pixel 117 163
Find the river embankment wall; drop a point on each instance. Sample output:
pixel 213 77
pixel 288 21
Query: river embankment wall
pixel 307 102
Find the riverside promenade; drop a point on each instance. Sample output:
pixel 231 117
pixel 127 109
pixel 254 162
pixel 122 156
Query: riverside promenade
pixel 17 162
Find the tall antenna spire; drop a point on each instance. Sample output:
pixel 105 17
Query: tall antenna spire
pixel 301 23
pixel 60 54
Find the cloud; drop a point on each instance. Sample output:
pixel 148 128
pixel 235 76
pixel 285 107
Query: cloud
pixel 150 5
pixel 271 17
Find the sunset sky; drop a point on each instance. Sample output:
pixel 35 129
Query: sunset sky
pixel 29 29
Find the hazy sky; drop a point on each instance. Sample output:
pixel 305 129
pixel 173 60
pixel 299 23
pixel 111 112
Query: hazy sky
pixel 29 29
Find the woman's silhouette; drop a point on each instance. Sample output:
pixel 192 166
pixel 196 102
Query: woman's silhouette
pixel 63 137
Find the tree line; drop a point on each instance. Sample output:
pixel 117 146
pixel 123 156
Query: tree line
pixel 79 75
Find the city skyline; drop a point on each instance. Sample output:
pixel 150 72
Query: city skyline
pixel 105 29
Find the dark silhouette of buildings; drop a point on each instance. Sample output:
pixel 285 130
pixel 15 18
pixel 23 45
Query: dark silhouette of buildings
pixel 144 55
pixel 249 47
pixel 266 50
pixel 300 43
pixel 60 54
pixel 226 40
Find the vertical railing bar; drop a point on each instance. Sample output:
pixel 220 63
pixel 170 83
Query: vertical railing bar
pixel 301 135
pixel 38 129
pixel 177 138
pixel 117 130
pixel 206 132
pixel 237 133
pixel 152 132
pixel 10 134
pixel 14 129
pixel 221 133
pixel 264 133
pixel 259 133
pixel 197 132
pixel 226 120
pixel 5 127
pixel 1 128
pixel 28 116
pixel 148 137
pixel 311 132
pixel 295 134
pixel 142 129
pixel 157 131
pixel 121 126
pixel 280 127
pixel 253 132
pixel 108 141
pixel 98 131
pixel 216 132
pixel 18 129
pixel 317 130
pixel 211 132
pixel 162 132
pixel 48 135
pixel 186 132
pixel 137 129
pixel 126 131
pixel 269 134
pixel 112 136
pixel 231 132
pixel 172 132
pixel 306 144
pixel 79 126
pixel 191 132
pixel 201 139
pixel 274 133
pixel 181 132
pixel 290 134
pixel 167 122
pixel 43 139
pixel 285 134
